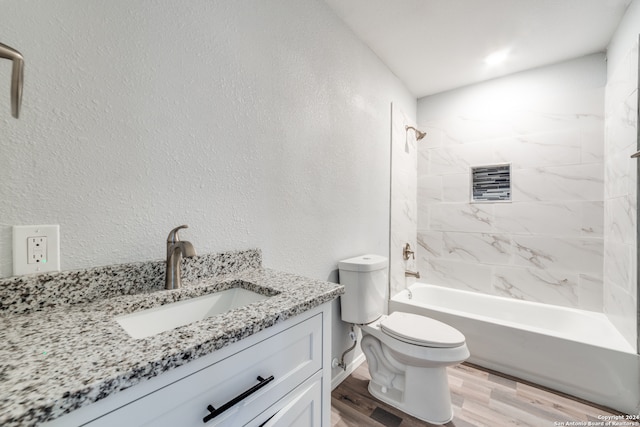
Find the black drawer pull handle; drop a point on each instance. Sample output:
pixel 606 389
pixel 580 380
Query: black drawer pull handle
pixel 215 412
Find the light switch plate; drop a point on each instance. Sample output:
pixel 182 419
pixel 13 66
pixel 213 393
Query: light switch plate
pixel 44 258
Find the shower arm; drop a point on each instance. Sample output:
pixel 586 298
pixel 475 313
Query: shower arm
pixel 419 134
pixel 17 77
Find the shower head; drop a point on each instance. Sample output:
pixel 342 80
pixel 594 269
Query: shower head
pixel 419 133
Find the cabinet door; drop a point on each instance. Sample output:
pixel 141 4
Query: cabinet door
pixel 290 357
pixel 304 409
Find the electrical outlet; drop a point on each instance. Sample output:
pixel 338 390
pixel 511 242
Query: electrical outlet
pixel 36 249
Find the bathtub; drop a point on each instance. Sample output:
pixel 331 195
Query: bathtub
pixel 573 351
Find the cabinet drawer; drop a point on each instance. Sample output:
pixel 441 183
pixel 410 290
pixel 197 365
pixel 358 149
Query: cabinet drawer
pixel 290 357
pixel 301 408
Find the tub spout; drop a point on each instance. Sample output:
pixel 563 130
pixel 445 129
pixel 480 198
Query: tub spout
pixel 409 273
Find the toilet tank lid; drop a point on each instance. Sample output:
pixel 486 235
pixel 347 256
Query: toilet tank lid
pixel 363 263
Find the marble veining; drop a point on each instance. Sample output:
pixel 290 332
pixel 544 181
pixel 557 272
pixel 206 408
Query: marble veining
pixel 532 255
pixel 62 349
pixel 430 242
pixel 552 287
pixel 547 243
pixel 469 276
pixel 478 247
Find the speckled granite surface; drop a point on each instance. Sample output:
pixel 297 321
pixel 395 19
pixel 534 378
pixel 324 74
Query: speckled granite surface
pixel 61 348
pixel 23 294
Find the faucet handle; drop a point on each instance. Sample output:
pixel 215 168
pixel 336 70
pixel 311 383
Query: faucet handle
pixel 173 234
pixel 407 252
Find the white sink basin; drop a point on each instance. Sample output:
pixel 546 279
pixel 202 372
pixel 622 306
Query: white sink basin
pixel 146 323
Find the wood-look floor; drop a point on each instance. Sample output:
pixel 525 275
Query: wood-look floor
pixel 479 397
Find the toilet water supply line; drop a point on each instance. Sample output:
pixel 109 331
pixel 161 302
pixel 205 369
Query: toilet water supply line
pixel 341 363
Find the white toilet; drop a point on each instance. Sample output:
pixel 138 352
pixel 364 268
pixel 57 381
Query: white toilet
pixel 407 354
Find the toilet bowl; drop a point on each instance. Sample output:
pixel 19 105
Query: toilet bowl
pixel 407 354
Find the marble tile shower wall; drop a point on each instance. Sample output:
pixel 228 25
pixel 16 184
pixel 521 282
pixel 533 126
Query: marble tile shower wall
pixel 404 211
pixel 546 245
pixel 620 250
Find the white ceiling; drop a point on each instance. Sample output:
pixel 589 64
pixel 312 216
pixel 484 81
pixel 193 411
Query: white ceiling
pixel 437 45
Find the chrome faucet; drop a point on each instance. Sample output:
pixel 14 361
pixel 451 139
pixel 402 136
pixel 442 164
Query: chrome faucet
pixel 409 273
pixel 17 77
pixel 176 249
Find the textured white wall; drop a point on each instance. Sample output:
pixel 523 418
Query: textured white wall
pixel 259 124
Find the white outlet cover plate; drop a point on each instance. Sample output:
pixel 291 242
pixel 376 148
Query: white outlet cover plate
pixel 20 259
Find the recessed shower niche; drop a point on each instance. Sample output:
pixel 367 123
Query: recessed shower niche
pixel 491 183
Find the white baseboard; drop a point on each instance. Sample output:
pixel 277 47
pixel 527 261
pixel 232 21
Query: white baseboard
pixel 342 375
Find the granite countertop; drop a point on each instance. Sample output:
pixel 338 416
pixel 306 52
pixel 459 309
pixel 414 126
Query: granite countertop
pixel 61 348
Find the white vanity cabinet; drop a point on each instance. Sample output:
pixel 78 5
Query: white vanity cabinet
pixel 301 408
pixel 276 377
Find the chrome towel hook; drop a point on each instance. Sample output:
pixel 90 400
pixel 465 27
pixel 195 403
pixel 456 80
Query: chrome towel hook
pixel 17 76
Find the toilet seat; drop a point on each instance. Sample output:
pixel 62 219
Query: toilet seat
pixel 421 330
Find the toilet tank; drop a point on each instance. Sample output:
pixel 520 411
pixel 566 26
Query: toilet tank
pixel 365 288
